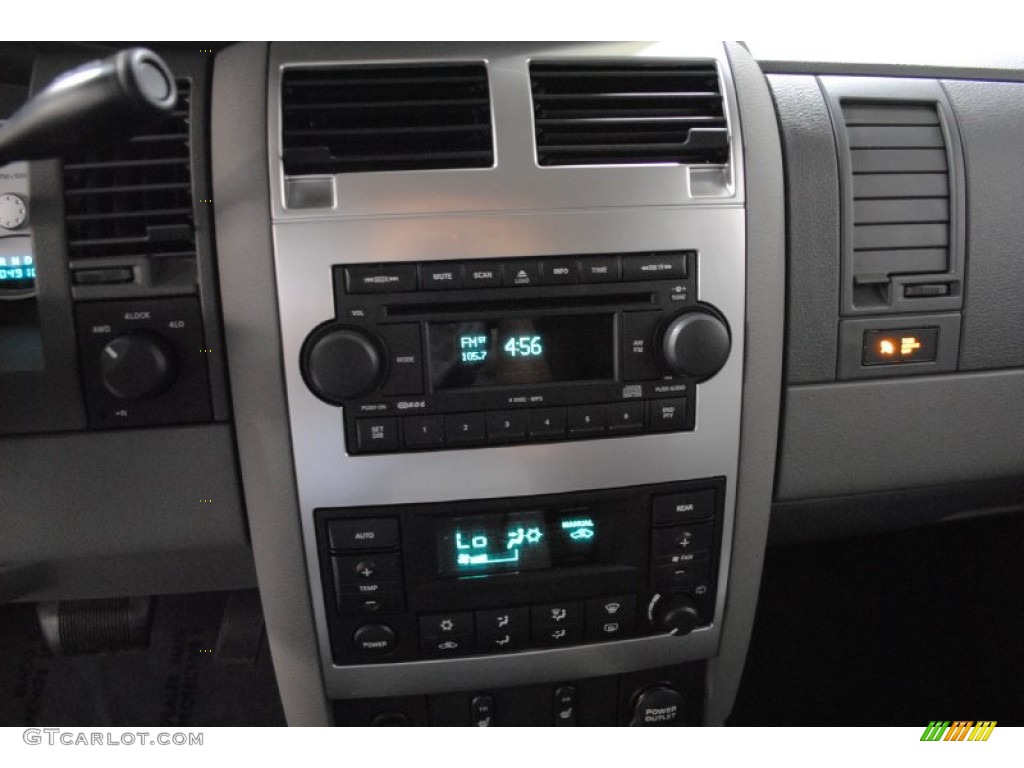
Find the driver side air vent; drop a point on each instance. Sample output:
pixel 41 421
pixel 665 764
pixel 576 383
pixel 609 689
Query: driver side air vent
pixel 129 209
pixel 631 112
pixel 386 118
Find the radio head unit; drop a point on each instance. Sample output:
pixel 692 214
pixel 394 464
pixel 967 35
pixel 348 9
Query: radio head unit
pixel 428 356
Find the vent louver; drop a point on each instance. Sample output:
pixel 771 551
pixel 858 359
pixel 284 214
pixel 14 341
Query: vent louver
pixel 628 113
pixel 387 118
pixel 901 209
pixel 134 200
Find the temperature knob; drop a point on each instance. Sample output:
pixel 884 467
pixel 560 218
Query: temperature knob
pixel 13 211
pixel 137 366
pixel 341 363
pixel 674 613
pixel 695 344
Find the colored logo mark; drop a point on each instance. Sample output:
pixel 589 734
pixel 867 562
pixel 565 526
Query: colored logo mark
pixel 958 730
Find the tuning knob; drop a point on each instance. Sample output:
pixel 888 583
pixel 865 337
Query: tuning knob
pixel 674 613
pixel 138 366
pixel 340 364
pixel 695 344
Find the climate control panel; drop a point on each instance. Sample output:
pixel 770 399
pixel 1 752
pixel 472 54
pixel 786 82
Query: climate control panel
pixel 501 576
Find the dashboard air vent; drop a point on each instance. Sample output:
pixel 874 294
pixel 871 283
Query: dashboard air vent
pixel 131 205
pixel 628 113
pixel 386 118
pixel 901 210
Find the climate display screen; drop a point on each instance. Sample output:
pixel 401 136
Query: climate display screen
pixel 516 541
pixel 516 350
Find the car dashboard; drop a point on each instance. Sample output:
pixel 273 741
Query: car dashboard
pixel 497 367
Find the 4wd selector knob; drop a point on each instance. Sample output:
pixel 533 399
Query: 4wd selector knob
pixel 341 364
pixel 695 344
pixel 138 365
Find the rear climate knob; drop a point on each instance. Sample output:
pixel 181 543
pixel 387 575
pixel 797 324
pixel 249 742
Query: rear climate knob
pixel 340 364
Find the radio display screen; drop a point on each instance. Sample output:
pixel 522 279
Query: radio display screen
pixel 517 541
pixel 513 351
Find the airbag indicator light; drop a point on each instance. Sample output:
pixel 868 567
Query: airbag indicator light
pixel 903 345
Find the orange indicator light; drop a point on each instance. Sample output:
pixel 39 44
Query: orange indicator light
pixel 908 344
pixel 886 347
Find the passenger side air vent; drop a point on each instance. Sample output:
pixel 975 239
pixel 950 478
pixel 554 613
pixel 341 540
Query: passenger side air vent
pixel 129 209
pixel 386 118
pixel 900 173
pixel 630 112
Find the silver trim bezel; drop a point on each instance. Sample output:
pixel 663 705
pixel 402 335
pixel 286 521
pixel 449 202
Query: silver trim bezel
pixel 634 208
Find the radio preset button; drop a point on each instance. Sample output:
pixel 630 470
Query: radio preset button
pixel 482 274
pixel 655 266
pixel 522 273
pixel 465 428
pixel 364 533
pixel 441 276
pixel 546 423
pixel 405 359
pixel 667 415
pixel 377 434
pixel 506 426
pixel 586 420
pixel 560 271
pixel 626 417
pixel 639 362
pixel 383 278
pixel 423 431
pixel 599 269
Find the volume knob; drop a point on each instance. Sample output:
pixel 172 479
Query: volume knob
pixel 695 344
pixel 340 364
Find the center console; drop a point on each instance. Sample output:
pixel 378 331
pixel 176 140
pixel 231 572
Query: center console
pixel 514 373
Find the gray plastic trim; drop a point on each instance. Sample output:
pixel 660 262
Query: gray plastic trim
pixel 124 512
pixel 812 228
pixel 867 436
pixel 762 377
pixel 249 297
pixel 990 117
